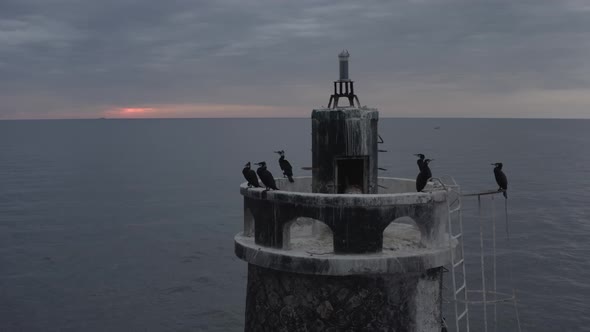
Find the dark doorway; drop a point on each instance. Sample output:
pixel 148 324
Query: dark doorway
pixel 351 176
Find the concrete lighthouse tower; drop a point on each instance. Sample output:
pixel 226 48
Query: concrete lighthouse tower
pixel 344 249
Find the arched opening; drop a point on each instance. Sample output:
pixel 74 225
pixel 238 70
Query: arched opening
pixel 309 235
pixel 402 233
pixel 248 222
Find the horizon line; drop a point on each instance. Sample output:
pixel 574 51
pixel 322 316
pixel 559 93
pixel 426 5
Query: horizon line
pixel 292 117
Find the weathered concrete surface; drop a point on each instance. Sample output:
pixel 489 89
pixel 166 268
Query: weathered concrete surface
pixel 299 281
pixel 388 185
pixel 339 134
pixel 283 301
pixel 314 254
pixel 357 221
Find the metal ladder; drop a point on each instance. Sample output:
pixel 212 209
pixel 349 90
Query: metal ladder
pixel 457 267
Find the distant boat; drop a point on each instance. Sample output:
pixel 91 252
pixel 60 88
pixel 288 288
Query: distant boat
pixel 437 127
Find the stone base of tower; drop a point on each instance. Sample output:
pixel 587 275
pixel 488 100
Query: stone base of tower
pixel 288 301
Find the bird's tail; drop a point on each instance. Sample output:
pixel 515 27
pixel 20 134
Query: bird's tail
pixel 505 194
pixel 290 178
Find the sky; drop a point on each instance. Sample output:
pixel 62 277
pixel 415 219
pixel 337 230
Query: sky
pixel 276 58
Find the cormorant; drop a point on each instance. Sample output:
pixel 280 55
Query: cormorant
pixel 285 166
pixel 501 179
pixel 266 177
pixel 421 181
pixel 250 176
pixel 424 175
pixel 420 161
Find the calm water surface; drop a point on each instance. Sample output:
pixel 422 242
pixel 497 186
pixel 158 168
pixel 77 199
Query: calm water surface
pixel 128 225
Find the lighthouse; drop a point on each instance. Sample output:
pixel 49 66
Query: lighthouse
pixel 344 249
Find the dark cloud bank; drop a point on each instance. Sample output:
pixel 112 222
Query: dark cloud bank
pixel 472 58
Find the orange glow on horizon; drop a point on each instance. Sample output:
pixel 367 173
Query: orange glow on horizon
pixel 136 110
pixel 199 110
pixel 130 112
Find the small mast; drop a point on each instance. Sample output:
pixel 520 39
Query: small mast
pixel 343 57
pixel 343 87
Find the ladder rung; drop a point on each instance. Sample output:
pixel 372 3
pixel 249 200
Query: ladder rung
pixel 462 315
pixel 460 289
pixel 455 210
pixel 459 262
pixel 455 237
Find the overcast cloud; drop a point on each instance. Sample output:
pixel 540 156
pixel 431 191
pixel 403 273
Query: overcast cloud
pixel 153 58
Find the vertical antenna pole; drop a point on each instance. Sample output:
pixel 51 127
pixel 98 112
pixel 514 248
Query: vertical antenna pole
pixel 494 264
pixel 483 274
pixel 510 267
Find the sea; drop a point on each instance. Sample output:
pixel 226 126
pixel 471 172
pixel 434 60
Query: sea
pixel 128 225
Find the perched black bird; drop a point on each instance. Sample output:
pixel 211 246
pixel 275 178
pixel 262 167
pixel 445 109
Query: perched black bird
pixel 424 175
pixel 266 177
pixel 285 166
pixel 420 161
pixel 421 181
pixel 501 179
pixel 250 176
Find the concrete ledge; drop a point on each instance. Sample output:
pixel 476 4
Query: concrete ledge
pixel 300 193
pixel 345 113
pixel 357 221
pixel 310 258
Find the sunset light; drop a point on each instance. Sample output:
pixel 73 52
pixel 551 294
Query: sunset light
pixel 201 110
pixel 136 110
pixel 130 112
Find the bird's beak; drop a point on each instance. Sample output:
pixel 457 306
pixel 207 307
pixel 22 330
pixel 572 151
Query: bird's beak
pixel 431 159
pixel 493 164
pixel 276 152
pixel 417 155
